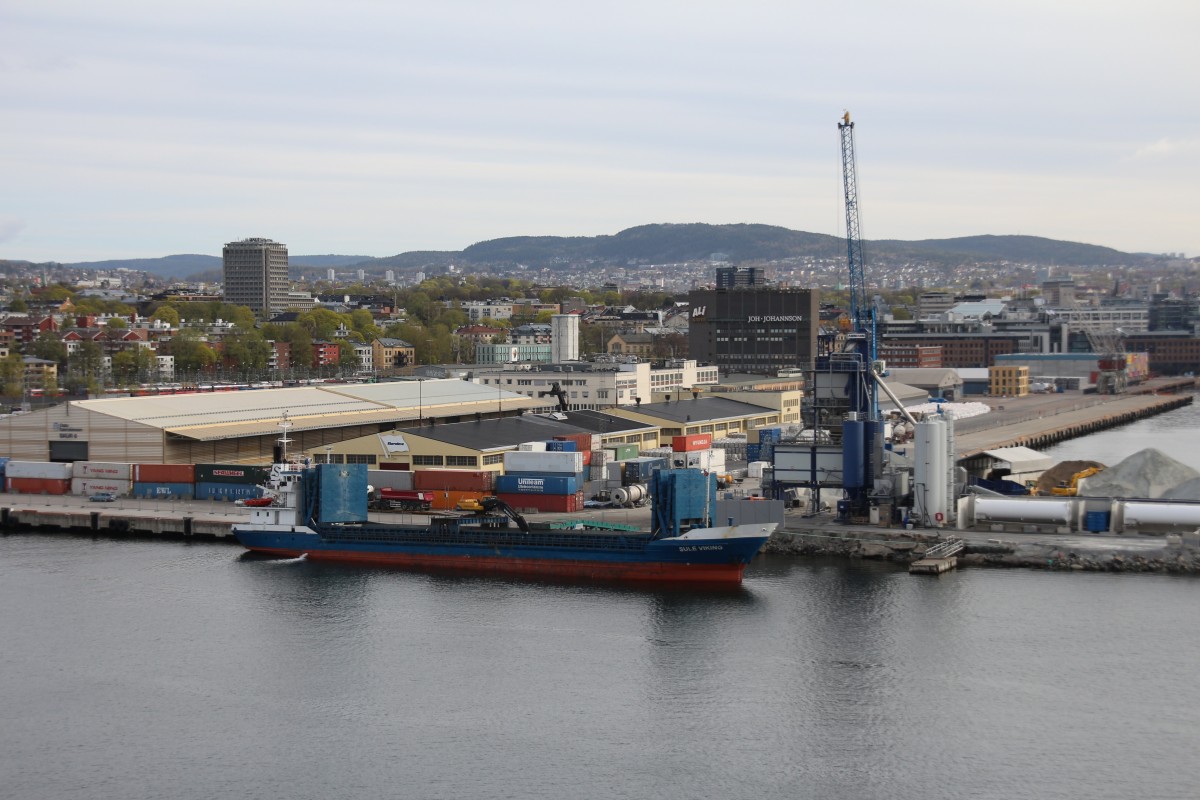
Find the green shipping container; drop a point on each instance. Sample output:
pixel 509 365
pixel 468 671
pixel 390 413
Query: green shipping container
pixel 231 473
pixel 623 452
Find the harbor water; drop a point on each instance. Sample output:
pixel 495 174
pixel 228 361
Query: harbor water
pixel 154 669
pixel 1176 433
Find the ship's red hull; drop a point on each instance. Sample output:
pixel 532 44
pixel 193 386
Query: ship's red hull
pixel 658 572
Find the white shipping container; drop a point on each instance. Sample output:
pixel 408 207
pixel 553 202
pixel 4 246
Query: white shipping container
pixel 38 469
pixel 101 469
pixel 601 457
pixel 90 486
pixel 755 468
pixel 398 479
pixel 522 461
pixel 532 447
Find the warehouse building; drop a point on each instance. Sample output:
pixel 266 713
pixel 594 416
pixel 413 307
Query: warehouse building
pixel 481 444
pixel 243 426
pixel 716 415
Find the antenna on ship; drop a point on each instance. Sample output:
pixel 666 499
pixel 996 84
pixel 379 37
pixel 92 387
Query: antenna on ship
pixel 283 441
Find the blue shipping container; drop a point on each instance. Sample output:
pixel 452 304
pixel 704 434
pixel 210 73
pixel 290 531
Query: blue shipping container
pixel 753 452
pixel 343 490
pixel 560 446
pixel 548 483
pixel 226 491
pixel 1096 521
pixel 163 491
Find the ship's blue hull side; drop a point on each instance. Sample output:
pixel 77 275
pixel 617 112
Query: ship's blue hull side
pixel 591 555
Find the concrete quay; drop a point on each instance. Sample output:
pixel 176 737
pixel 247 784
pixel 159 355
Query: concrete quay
pixel 822 535
pixel 1041 420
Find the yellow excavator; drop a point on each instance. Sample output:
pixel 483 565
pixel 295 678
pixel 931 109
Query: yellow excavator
pixel 1071 488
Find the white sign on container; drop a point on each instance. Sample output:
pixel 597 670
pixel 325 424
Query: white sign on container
pixel 100 469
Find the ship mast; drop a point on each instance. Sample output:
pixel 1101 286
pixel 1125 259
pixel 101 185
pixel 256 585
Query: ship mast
pixel 283 440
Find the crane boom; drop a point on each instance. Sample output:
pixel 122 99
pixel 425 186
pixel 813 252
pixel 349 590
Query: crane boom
pixel 854 246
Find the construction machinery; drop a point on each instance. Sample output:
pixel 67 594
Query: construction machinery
pixel 1071 488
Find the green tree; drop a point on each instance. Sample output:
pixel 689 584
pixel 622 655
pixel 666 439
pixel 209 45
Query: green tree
pixel 166 313
pixel 51 348
pixel 87 361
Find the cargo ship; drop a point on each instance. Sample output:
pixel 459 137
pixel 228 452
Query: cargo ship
pixel 320 512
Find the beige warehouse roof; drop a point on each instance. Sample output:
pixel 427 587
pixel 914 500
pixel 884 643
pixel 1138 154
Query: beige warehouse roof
pixel 220 415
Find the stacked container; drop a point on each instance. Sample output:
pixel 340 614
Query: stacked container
pixel 92 477
pixel 229 481
pixel 691 443
pixel 546 481
pixel 623 452
pixel 37 477
pixel 449 486
pixel 164 481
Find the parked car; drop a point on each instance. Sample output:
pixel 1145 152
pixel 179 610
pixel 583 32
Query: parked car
pixel 103 497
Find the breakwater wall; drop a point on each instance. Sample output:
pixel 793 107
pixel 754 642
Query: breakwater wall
pixel 1176 555
pixel 1041 431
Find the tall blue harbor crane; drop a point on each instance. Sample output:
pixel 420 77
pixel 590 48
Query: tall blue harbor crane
pixel 844 384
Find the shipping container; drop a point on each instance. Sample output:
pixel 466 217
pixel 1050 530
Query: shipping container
pixel 38 469
pixel 639 470
pixel 164 473
pixel 100 469
pixel 447 500
pixel 343 492
pixel 390 479
pixel 614 471
pixel 231 473
pixel 535 503
pixel 583 441
pixel 754 452
pixel 600 457
pixel 454 480
pixel 767 435
pixel 90 486
pixel 623 452
pixel 691 442
pixel 545 483
pixel 37 485
pixel 561 446
pixel 532 447
pixel 164 491
pixel 3 463
pixel 517 461
pixel 207 490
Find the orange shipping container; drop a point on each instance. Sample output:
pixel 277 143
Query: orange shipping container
pixel 691 442
pixel 446 500
pixel 38 485
pixel 453 480
pixel 164 473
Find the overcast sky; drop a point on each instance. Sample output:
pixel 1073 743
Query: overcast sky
pixel 142 129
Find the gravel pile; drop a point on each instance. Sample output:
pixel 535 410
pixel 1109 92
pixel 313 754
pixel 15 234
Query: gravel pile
pixel 1148 473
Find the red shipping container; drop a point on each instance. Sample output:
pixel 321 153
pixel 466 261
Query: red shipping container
pixel 454 480
pixel 584 442
pixel 164 473
pixel 544 502
pixel 691 442
pixel 38 486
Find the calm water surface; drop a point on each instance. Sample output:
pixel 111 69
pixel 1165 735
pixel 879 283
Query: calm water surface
pixel 1176 433
pixel 164 670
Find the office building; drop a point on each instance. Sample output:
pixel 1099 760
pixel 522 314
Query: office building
pixel 759 331
pixel 256 275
